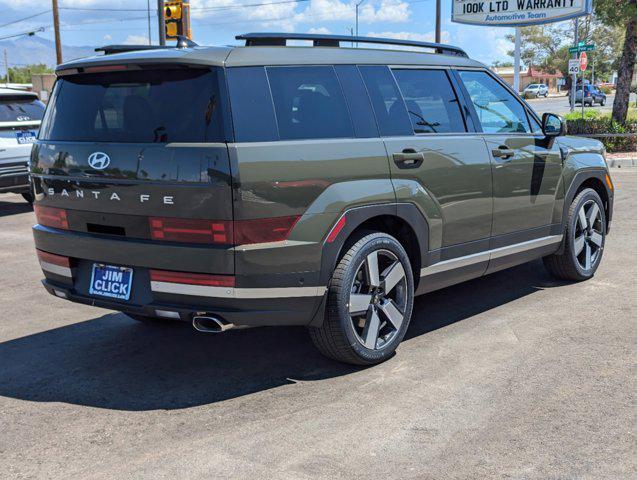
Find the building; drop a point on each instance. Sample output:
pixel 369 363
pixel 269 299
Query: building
pixel 531 75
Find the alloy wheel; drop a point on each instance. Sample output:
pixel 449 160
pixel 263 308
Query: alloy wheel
pixel 588 240
pixel 378 298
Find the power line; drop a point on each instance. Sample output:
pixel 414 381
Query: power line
pixel 25 18
pixel 29 33
pixel 227 7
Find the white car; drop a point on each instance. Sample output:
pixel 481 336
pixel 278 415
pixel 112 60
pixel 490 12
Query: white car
pixel 20 116
pixel 536 90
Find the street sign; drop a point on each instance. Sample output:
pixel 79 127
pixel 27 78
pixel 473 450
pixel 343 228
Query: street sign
pixel 582 48
pixel 573 66
pixel 583 61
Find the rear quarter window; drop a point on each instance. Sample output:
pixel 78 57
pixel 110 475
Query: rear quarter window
pixel 145 106
pixel 309 103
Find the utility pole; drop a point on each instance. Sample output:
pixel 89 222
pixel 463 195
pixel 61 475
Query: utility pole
pixel 357 5
pixel 162 22
pixel 150 41
pixel 56 29
pixel 574 77
pixel 516 60
pixel 438 31
pixel 6 65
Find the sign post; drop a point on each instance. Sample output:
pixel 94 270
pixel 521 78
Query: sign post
pixel 583 62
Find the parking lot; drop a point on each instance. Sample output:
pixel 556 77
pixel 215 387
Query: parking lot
pixel 511 376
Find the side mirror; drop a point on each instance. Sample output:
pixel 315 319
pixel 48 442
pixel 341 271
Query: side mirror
pixel 553 125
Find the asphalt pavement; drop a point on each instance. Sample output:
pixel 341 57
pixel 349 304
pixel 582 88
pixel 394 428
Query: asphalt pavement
pixel 514 376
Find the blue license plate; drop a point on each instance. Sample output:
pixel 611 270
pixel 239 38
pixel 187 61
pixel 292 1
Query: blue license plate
pixel 25 136
pixel 111 281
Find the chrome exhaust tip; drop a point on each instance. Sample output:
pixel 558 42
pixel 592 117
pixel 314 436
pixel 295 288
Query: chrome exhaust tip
pixel 210 324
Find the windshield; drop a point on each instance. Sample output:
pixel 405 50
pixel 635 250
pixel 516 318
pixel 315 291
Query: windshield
pixel 20 108
pixel 136 106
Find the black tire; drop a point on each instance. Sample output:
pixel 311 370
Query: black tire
pixel 572 262
pixel 343 335
pixel 602 103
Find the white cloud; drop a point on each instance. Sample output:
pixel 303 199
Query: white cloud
pixel 108 37
pixel 416 36
pixel 319 30
pixel 136 40
pixel 392 11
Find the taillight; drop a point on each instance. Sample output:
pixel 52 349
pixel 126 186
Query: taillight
pixel 202 279
pixel 51 217
pixel 262 230
pixel 222 232
pixel 190 230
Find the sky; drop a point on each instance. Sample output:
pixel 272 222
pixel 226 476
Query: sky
pixel 216 22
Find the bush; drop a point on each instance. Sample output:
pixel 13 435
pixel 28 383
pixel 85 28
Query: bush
pixel 594 123
pixel 606 89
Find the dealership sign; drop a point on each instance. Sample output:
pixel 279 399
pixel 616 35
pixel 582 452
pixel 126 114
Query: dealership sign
pixel 517 13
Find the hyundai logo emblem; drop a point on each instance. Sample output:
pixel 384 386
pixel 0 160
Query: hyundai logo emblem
pixel 99 160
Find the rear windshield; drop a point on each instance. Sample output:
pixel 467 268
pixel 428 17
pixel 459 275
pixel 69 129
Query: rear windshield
pixel 20 109
pixel 144 106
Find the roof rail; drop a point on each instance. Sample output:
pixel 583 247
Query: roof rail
pixel 280 39
pixel 182 42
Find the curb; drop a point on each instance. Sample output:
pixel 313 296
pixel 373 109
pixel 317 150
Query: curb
pixel 622 162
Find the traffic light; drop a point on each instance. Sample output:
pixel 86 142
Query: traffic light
pixel 177 19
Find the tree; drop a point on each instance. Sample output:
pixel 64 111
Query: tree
pixel 622 13
pixel 540 45
pixel 499 64
pixel 23 74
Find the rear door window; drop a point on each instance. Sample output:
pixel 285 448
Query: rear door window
pixel 137 106
pixel 309 103
pixel 498 110
pixel 20 108
pixel 387 102
pixel 430 100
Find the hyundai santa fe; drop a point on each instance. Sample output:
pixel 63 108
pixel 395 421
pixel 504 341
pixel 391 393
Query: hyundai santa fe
pixel 318 185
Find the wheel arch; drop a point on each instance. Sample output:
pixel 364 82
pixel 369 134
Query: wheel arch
pixel 595 179
pixel 404 221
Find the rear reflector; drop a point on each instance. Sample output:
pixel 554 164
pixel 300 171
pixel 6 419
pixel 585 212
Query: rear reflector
pixel 56 264
pixel 192 278
pixel 51 217
pixel 223 232
pixel 262 230
pixel 336 229
pixel 53 259
pixel 190 230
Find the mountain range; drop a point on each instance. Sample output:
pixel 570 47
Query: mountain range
pixel 29 50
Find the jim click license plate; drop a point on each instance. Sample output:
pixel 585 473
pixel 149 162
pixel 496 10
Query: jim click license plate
pixel 24 137
pixel 111 281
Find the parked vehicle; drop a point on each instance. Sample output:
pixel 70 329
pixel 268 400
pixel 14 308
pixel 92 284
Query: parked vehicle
pixel 323 186
pixel 536 90
pixel 20 116
pixel 591 95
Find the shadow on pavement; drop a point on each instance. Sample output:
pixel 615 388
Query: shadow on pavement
pixel 115 363
pixel 13 208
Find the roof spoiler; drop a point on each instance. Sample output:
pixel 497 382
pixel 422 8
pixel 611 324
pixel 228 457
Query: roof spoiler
pixel 182 42
pixel 280 39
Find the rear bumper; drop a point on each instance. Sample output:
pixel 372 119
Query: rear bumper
pixel 14 177
pixel 273 305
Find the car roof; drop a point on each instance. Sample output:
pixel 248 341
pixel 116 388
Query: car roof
pixel 273 55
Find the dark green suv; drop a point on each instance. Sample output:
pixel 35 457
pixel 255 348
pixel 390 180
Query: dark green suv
pixel 319 185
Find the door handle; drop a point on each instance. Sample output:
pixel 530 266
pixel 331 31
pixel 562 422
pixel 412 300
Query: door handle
pixel 408 158
pixel 503 153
